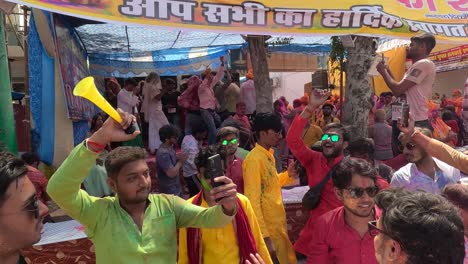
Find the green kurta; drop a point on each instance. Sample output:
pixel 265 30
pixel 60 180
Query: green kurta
pixel 115 235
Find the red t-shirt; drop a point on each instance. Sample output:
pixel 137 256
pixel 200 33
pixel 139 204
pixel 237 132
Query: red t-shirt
pixel 334 241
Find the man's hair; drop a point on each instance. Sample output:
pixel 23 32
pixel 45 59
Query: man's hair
pixel 267 121
pixel 229 122
pixel 362 146
pixel 168 131
pixel 11 169
pixel 335 126
pixel 447 115
pixel 94 120
pixel 120 157
pixel 344 171
pixel 30 158
pixel 423 131
pixel 427 227
pixel 198 127
pixel 457 194
pixel 427 39
pixel 328 105
pixel 297 102
pixel 131 81
pixel 201 160
pixel 226 131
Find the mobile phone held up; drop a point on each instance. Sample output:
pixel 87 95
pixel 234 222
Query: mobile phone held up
pixel 216 169
pixel 405 115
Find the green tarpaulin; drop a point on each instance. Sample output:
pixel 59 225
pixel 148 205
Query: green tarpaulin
pixel 7 119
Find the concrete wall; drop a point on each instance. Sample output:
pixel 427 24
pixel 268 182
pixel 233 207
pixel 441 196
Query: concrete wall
pixel 291 84
pixel 446 82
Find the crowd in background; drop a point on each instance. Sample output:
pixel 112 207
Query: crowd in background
pixel 394 197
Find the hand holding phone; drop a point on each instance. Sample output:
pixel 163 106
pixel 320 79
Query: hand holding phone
pixel 405 115
pixel 216 169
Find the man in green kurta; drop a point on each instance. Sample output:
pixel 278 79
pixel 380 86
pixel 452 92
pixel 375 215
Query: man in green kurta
pixel 134 226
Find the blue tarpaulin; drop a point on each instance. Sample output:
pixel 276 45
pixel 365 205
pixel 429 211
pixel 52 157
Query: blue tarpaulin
pixel 42 91
pixel 127 51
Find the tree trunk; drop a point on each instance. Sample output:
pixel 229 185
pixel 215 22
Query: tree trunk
pixel 259 60
pixel 358 96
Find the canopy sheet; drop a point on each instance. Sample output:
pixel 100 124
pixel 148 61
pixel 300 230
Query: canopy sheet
pixel 127 51
pixel 395 18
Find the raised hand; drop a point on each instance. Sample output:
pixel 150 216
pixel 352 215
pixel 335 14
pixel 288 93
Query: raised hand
pixel 226 193
pixel 318 97
pixel 112 131
pixel 407 130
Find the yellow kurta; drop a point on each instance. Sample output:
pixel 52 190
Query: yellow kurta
pixel 262 185
pixel 220 245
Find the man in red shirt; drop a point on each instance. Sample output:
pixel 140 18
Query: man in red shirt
pixel 317 164
pixel 228 142
pixel 341 235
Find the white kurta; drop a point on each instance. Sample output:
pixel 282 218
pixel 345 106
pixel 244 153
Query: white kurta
pixel 126 101
pixel 154 115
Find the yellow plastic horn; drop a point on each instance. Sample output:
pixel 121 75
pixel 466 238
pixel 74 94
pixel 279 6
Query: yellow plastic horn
pixel 87 89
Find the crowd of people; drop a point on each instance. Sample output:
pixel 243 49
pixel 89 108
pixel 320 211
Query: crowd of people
pixel 394 197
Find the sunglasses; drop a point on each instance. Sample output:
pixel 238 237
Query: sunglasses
pixel 409 146
pixel 232 141
pixel 358 192
pixel 332 137
pixel 32 206
pixel 374 230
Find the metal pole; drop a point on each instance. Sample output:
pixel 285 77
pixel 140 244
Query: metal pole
pixel 27 117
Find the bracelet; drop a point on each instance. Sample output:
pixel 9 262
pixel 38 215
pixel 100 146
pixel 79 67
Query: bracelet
pixel 96 147
pixel 414 133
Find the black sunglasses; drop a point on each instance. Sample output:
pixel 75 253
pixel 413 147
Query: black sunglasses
pixel 33 206
pixel 374 230
pixel 358 192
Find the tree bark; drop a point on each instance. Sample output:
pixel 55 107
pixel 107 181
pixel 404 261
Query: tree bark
pixel 262 82
pixel 358 96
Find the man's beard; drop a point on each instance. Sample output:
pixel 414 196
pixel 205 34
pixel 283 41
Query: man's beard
pixel 231 152
pixel 336 152
pixel 139 198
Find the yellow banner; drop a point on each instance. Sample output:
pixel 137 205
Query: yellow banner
pixel 447 19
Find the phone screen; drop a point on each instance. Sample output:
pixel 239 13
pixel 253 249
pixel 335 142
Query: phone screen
pixel 405 115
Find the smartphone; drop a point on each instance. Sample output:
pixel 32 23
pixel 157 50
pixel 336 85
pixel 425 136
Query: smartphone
pixel 216 169
pixel 405 114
